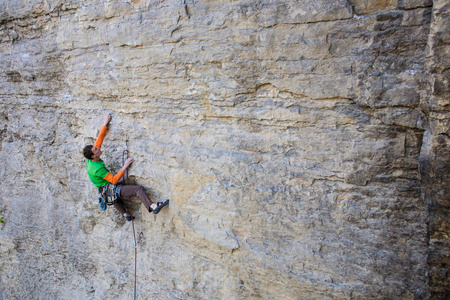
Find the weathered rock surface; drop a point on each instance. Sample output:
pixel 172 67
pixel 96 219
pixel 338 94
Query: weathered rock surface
pixel 304 145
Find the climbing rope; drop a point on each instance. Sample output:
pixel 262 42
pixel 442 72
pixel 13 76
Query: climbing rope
pixel 125 178
pixel 136 243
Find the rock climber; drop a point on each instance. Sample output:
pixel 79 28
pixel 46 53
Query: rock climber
pixel 103 179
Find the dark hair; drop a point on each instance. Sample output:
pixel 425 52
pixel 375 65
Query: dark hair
pixel 87 152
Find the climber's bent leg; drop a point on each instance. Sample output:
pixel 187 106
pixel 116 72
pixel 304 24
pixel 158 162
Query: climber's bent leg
pixel 118 205
pixel 136 190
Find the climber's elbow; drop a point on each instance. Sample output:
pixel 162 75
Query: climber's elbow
pixel 114 179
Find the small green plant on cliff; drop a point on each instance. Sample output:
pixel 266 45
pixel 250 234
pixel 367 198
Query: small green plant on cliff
pixel 1 218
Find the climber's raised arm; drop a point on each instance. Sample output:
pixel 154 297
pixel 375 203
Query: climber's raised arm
pixel 102 133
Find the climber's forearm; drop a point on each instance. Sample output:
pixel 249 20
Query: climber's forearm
pixel 114 179
pixel 101 136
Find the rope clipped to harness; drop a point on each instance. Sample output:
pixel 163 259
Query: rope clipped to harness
pixel 136 243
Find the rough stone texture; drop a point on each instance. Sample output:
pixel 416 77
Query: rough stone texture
pixel 435 153
pixel 304 145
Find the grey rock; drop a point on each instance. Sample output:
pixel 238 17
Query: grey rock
pixel 303 144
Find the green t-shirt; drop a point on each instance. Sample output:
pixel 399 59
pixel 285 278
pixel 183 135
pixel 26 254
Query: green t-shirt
pixel 96 171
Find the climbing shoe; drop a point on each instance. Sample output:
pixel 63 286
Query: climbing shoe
pixel 129 218
pixel 159 206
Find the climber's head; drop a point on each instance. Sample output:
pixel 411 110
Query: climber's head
pixel 92 152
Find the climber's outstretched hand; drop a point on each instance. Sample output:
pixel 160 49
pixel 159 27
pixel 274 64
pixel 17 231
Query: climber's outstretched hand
pixel 107 119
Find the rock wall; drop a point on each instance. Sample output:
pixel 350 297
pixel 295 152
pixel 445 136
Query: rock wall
pixel 304 145
pixel 434 160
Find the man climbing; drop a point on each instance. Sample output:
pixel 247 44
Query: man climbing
pixel 101 177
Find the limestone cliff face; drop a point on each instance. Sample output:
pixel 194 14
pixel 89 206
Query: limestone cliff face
pixel 304 145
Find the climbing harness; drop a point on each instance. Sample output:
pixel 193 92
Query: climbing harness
pixel 136 243
pixel 108 195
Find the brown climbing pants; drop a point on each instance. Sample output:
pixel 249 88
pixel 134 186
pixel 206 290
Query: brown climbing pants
pixel 132 190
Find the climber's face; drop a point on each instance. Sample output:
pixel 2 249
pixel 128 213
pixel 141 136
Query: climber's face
pixel 97 152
